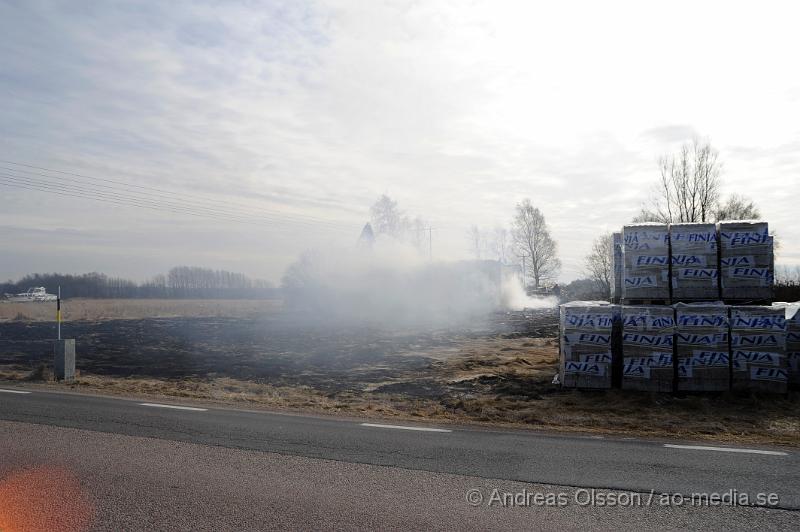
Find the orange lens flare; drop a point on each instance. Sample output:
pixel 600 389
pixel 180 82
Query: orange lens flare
pixel 43 498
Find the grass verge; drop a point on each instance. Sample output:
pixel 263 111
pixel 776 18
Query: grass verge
pixel 494 382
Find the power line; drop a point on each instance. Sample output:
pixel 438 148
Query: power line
pixel 207 204
pixel 193 200
pixel 127 203
pixel 278 227
pixel 16 181
pixel 170 204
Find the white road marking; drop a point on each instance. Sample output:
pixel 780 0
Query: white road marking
pixel 12 391
pixel 424 429
pixel 725 449
pixel 176 407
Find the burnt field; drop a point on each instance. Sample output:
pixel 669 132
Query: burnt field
pixel 280 350
pixel 493 370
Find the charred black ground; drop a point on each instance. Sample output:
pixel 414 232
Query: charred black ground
pixel 283 351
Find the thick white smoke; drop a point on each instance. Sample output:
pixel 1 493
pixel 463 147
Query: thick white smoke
pixel 391 283
pixel 515 298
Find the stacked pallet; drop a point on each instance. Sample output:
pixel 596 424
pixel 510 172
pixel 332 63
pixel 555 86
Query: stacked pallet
pixel 701 347
pixel 792 316
pixel 695 276
pixel 758 349
pixel 586 353
pixel 746 261
pixel 647 341
pixel 645 270
pixel 701 343
pixel 616 267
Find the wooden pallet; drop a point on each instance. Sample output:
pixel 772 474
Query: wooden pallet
pixel 656 302
pixel 689 300
pixel 747 302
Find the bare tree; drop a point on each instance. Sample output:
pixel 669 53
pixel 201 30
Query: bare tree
pixel 386 217
pixel 688 187
pixel 599 263
pixel 490 244
pixel 476 241
pixel 737 208
pixel 787 283
pixel 500 244
pixel 532 240
pixel 417 232
pixel 787 275
pixel 688 190
pixel 303 273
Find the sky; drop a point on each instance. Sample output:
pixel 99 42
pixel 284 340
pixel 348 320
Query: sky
pixel 298 115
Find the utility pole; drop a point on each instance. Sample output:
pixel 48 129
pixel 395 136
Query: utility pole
pixel 58 311
pixel 430 243
pixel 64 363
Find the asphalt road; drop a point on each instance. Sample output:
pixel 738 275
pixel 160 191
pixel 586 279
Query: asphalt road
pixel 144 466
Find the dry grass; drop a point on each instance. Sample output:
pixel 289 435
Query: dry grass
pixel 493 381
pixel 100 309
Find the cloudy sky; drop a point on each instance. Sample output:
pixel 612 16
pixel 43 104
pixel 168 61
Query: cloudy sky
pixel 299 114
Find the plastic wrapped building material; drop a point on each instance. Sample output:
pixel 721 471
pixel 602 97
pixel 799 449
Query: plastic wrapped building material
pixel 746 261
pixel 616 267
pixel 645 270
pixel 702 347
pixel 647 348
pixel 758 348
pixel 792 316
pixel 695 275
pixel 586 354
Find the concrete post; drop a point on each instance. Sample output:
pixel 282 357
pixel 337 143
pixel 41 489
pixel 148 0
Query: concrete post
pixel 64 366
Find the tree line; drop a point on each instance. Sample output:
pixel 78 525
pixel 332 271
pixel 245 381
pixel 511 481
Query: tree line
pixel 181 282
